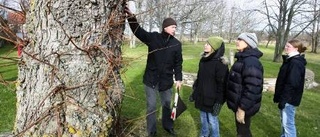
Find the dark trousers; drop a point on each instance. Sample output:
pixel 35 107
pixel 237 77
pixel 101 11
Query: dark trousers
pixel 165 97
pixel 243 130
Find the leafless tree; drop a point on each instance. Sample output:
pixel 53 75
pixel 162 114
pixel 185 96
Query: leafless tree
pixel 314 29
pixel 196 18
pixel 203 18
pixel 231 24
pixel 283 17
pixel 240 20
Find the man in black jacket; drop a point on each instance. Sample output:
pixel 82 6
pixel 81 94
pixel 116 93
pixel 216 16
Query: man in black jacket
pixel 164 61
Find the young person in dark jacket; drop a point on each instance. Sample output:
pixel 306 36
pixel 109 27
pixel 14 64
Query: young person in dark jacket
pixel 164 61
pixel 290 85
pixel 245 83
pixel 210 86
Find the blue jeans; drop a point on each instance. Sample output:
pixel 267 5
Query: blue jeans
pixel 209 121
pixel 287 114
pixel 165 97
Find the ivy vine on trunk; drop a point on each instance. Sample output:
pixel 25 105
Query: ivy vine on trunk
pixel 69 80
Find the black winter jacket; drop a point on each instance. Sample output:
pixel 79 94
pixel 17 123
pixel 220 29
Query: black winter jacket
pixel 211 81
pixel 164 58
pixel 245 82
pixel 290 80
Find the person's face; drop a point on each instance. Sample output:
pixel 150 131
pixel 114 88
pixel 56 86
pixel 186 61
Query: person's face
pixel 288 48
pixel 207 48
pixel 241 45
pixel 171 29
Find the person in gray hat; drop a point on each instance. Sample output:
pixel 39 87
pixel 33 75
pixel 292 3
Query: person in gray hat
pixel 245 83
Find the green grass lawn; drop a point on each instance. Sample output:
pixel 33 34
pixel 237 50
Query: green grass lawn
pixel 7 108
pixel 8 72
pixel 264 124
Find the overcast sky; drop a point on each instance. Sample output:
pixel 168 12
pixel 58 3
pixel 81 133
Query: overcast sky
pixel 243 4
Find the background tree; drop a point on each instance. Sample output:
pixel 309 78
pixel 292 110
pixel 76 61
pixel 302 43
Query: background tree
pixel 285 17
pixel 69 73
pixel 314 29
pixel 195 18
pixel 239 20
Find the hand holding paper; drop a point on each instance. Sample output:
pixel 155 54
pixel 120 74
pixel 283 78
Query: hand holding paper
pixel 178 106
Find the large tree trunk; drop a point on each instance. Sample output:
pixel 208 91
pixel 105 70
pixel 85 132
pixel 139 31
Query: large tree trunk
pixel 280 44
pixel 69 81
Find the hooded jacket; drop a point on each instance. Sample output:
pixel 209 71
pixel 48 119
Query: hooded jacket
pixel 245 82
pixel 211 81
pixel 164 57
pixel 290 80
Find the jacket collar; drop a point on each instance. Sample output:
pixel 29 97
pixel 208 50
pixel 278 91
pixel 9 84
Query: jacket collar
pixel 249 52
pixel 287 58
pixel 165 35
pixel 293 54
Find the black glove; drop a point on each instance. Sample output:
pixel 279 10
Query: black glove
pixel 281 105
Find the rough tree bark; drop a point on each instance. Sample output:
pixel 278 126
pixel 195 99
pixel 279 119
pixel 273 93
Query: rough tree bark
pixel 69 82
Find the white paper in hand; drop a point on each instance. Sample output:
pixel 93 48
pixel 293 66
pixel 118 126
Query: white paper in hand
pixel 174 109
pixel 131 4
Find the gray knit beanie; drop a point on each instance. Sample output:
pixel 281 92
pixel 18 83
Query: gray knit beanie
pixel 250 38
